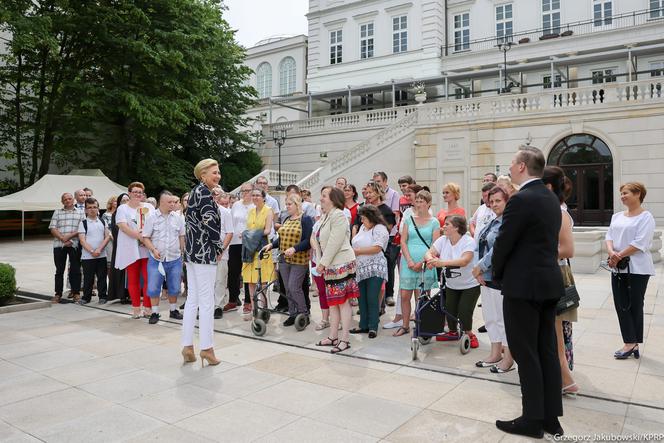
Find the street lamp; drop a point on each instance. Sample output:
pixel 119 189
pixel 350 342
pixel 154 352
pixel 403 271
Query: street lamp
pixel 279 137
pixel 505 46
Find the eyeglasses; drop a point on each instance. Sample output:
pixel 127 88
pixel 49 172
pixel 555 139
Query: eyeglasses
pixel 137 192
pixel 245 190
pixel 261 183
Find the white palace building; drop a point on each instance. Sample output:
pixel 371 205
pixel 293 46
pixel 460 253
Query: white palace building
pixel 580 79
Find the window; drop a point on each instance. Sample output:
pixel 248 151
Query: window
pixel 400 97
pixel 656 8
pixel 264 80
pixel 602 12
pixel 336 47
pixel 546 80
pixel 367 102
pixel 336 106
pixel 551 16
pixel 462 92
pixel 657 69
pixel 462 32
pixel 399 34
pixel 504 23
pixel 367 40
pixel 287 76
pixel 603 76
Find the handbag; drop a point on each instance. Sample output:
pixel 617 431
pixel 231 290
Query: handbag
pixel 570 299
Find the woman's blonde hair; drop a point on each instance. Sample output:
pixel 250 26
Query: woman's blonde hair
pixel 377 189
pixel 454 189
pixel 110 201
pixel 203 165
pixel 506 182
pixel 296 200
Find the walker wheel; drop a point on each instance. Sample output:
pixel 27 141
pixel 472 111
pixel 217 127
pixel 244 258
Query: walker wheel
pixel 414 346
pixel 258 327
pixel 464 344
pixel 301 322
pixel 424 340
pixel 264 315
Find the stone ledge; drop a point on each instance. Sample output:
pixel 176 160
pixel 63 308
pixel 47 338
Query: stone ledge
pixel 28 305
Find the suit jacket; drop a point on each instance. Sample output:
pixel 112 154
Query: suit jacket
pixel 525 253
pixel 334 240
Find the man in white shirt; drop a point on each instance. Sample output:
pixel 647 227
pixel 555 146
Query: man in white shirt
pixel 93 235
pixel 226 233
pixel 80 197
pixel 393 250
pixel 483 215
pixel 163 235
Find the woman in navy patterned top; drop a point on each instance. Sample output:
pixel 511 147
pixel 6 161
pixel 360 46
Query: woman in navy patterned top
pixel 203 247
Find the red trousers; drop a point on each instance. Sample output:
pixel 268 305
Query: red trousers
pixel 135 271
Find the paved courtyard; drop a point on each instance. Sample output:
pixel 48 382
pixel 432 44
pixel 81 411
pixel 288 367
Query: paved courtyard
pixel 72 373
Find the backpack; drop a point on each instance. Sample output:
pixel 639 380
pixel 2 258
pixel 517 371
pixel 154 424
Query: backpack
pixel 85 224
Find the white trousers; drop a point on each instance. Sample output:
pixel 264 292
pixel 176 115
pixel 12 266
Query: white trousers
pixel 492 309
pixel 220 285
pixel 200 299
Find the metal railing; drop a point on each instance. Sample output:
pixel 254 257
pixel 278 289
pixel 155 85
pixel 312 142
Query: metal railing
pixel 621 21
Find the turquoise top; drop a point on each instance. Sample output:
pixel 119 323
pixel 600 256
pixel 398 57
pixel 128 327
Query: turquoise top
pixel 409 279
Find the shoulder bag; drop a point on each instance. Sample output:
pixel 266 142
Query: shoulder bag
pixel 570 299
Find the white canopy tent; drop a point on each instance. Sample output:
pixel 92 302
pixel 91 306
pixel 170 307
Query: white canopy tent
pixel 45 193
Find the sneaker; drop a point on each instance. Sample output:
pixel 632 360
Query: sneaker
pixel 56 298
pixel 448 336
pixel 389 301
pixel 290 321
pixel 175 314
pixel 230 307
pixel 154 318
pixel 102 301
pixel 218 313
pixel 246 309
pixel 393 324
pixel 474 343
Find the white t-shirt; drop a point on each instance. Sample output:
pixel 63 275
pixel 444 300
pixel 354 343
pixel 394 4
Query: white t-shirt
pixel 636 231
pixel 376 236
pixel 240 212
pixel 448 251
pixel 482 216
pixel 226 227
pixel 129 249
pixel 94 237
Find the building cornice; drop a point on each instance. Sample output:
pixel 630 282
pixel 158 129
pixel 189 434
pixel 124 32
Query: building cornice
pixel 333 23
pixel 365 15
pixel 315 14
pixel 400 7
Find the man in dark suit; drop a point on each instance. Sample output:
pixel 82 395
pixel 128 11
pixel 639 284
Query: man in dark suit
pixel 525 261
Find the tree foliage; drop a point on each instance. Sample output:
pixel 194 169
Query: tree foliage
pixel 141 89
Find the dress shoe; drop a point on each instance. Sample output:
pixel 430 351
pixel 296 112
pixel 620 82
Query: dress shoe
pixel 281 308
pixel 175 314
pixel 102 301
pixel 482 329
pixel 290 321
pixel 553 427
pixel 623 355
pixel 218 313
pixel 521 426
pixel 56 299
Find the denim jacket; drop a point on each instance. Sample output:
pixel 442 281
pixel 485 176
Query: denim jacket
pixel 484 247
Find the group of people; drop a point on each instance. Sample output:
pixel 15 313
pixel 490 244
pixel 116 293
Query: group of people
pixel 513 254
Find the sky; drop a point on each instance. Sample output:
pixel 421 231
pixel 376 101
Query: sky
pixel 255 20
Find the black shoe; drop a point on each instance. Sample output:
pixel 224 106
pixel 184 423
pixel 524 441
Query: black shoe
pixel 481 329
pixel 372 334
pixel 281 308
pixel 290 321
pixel 182 305
pixel 154 318
pixel 521 426
pixel 83 301
pixel 125 301
pixel 218 313
pixel 553 427
pixel 358 331
pixel 175 314
pixel 102 301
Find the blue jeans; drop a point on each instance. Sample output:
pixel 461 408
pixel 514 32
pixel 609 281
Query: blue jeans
pixel 156 280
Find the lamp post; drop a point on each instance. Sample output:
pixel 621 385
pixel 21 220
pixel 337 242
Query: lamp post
pixel 279 137
pixel 505 46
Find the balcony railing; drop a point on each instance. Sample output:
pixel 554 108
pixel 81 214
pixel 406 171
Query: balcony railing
pixel 620 21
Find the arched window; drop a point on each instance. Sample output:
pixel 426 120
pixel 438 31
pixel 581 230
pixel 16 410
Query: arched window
pixel 287 76
pixel 264 80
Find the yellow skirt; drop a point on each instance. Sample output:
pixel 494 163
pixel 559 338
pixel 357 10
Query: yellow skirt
pixel 250 270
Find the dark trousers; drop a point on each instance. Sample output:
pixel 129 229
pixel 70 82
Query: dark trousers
pixel 369 305
pixel 306 284
pixel 234 273
pixel 531 333
pixel 95 267
pixel 392 256
pixel 60 258
pixel 629 291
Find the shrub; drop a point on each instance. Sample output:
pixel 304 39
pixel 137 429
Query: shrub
pixel 7 283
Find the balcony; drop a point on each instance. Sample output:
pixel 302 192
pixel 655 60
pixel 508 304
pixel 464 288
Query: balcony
pixel 585 27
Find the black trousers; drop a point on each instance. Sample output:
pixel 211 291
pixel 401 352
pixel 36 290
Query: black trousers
pixel 234 273
pixel 531 333
pixel 95 267
pixel 392 256
pixel 629 290
pixel 60 258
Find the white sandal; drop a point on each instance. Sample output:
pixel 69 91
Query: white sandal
pixel 324 324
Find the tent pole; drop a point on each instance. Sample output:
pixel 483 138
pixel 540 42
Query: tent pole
pixel 22 225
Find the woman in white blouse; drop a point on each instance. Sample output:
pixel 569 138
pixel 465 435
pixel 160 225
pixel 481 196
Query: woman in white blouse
pixel 628 242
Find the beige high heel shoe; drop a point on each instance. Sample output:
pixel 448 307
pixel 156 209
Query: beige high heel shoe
pixel 208 354
pixel 188 354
